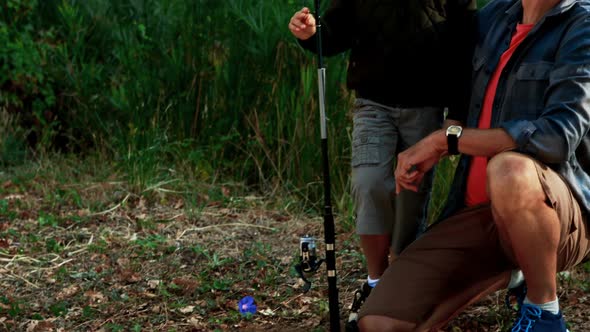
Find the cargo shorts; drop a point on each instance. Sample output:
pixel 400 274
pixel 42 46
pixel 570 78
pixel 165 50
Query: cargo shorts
pixel 379 133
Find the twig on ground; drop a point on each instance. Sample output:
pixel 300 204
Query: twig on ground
pixel 198 229
pixel 57 265
pixel 157 185
pixel 113 208
pixel 289 300
pixel 23 279
pixel 17 258
pixel 72 253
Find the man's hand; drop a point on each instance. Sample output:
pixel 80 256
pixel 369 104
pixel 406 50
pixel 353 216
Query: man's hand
pixel 414 162
pixel 302 24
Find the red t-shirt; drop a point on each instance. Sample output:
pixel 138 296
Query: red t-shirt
pixel 476 177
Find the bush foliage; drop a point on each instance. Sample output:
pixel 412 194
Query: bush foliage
pixel 217 89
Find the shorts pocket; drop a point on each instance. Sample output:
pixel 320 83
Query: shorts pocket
pixel 365 151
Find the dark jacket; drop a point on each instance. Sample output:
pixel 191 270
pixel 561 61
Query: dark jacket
pixel 543 96
pixel 402 52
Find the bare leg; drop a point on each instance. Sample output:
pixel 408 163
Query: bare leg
pixel 376 250
pixel 526 223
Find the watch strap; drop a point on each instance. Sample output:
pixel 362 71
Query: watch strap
pixel 453 144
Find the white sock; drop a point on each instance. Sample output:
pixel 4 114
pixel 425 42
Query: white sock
pixel 372 282
pixel 552 307
pixel 516 278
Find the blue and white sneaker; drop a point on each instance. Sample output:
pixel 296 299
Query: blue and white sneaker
pixel 532 319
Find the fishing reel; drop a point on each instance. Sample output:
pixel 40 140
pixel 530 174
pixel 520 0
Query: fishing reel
pixel 309 262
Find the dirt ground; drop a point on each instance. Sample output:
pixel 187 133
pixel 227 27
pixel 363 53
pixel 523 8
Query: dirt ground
pixel 94 257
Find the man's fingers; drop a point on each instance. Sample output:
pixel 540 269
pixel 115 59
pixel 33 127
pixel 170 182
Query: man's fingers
pixel 301 16
pixel 301 20
pixel 293 27
pixel 307 19
pixel 399 185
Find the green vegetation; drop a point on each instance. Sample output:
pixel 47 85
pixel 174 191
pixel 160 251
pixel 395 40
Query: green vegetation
pixel 206 90
pixel 172 92
pixel 159 160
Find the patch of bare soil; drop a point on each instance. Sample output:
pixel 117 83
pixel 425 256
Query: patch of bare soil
pixel 95 258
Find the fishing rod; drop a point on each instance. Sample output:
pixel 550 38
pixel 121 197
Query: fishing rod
pixel 329 229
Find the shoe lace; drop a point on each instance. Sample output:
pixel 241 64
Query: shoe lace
pixel 529 314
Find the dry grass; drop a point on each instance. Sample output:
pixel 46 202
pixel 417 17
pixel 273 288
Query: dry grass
pixel 92 256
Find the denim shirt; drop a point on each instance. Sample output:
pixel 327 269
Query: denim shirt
pixel 543 96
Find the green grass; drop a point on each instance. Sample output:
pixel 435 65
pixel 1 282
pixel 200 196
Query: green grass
pixel 165 92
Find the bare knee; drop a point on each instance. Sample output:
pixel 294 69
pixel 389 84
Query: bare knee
pixel 374 323
pixel 513 183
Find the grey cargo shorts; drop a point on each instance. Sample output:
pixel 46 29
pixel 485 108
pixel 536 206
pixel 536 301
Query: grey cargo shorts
pixel 379 133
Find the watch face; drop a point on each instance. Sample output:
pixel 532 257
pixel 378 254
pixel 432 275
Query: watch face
pixel 454 130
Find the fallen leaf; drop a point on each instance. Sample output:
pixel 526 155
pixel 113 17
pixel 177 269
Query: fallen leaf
pixel 68 292
pixel 83 213
pixel 153 284
pixel 179 204
pixel 187 286
pixel 94 296
pixel 279 217
pixel 267 312
pixel 123 261
pixel 129 276
pixel 142 203
pixel 44 326
pixel 187 309
pixel 32 326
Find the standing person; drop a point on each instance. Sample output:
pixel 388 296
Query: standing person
pixel 521 194
pixel 403 54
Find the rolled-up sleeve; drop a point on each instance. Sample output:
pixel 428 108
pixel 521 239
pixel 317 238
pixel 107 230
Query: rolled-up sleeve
pixel 565 119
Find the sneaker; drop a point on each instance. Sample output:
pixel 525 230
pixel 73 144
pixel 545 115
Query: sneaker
pixel 360 296
pixel 532 319
pixel 515 294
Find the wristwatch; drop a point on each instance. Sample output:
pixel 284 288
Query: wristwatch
pixel 453 134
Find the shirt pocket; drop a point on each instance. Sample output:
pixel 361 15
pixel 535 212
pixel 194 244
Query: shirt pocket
pixel 532 79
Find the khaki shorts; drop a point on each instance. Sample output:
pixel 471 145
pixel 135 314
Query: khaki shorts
pixel 464 252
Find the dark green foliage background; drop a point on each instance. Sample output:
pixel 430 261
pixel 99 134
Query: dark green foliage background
pixel 214 90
